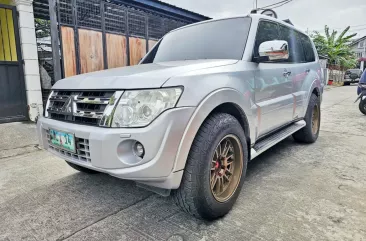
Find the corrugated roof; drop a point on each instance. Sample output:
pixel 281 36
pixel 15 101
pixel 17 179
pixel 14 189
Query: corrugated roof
pixel 172 8
pixel 358 40
pixel 41 9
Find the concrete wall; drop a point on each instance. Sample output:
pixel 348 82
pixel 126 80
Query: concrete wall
pixel 336 75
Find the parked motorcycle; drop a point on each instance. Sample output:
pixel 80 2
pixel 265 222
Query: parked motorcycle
pixel 361 91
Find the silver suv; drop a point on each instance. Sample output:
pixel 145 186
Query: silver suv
pixel 207 99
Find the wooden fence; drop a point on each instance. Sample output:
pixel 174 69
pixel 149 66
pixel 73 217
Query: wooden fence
pixel 96 35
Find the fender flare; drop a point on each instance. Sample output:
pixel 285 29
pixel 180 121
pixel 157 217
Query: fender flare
pixel 316 85
pixel 213 100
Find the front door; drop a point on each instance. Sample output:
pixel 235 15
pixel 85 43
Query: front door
pixel 273 95
pixel 273 85
pixel 13 105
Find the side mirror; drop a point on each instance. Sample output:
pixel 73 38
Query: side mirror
pixel 273 50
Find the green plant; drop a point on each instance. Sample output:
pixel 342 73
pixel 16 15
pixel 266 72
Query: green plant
pixel 336 48
pixel 43 28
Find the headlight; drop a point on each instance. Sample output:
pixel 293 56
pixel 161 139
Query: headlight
pixel 139 108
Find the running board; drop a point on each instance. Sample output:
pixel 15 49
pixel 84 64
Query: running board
pixel 273 139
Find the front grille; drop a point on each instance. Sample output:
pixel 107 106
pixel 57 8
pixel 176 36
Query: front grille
pixel 81 107
pixel 82 149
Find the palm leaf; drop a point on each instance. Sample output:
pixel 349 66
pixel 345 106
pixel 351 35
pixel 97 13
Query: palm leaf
pixel 340 37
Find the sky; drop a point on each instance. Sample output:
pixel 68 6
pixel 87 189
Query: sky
pixel 304 14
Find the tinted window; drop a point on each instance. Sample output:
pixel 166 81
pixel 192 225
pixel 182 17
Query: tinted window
pixel 308 48
pixel 355 71
pixel 267 31
pixel 223 39
pixel 293 39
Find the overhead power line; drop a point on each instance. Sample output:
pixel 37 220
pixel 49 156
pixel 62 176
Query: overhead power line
pixel 356 30
pixel 351 27
pixel 275 4
pixel 350 30
pixel 282 4
pixel 358 25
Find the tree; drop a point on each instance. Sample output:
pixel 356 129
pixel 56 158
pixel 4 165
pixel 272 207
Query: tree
pixel 43 28
pixel 337 49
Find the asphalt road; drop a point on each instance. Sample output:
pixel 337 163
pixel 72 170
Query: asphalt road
pixel 292 192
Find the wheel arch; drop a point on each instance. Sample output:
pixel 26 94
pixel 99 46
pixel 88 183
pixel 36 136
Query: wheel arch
pixel 316 89
pixel 236 111
pixel 224 100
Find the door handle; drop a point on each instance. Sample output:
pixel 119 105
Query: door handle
pixel 286 73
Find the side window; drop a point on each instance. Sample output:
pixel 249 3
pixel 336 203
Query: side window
pixel 308 48
pixel 267 31
pixel 294 43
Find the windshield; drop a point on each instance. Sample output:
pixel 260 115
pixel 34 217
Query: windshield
pixel 222 39
pixel 354 71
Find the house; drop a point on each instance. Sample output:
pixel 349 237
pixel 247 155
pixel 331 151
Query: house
pixel 359 47
pixel 120 31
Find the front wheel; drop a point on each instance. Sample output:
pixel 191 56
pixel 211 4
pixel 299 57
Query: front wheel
pixel 310 133
pixel 215 168
pixel 362 106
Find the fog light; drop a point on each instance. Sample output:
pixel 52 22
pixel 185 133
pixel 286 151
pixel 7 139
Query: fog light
pixel 139 150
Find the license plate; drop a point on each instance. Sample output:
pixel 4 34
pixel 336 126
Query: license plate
pixel 63 140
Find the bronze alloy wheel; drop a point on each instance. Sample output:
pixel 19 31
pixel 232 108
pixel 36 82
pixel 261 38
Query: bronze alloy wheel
pixel 315 120
pixel 226 168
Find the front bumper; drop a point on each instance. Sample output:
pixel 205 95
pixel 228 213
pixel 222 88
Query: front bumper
pixel 109 150
pixel 351 80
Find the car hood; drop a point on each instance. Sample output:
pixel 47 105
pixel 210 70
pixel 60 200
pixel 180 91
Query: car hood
pixel 138 76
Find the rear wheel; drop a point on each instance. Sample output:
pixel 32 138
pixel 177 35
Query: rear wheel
pixel 82 169
pixel 310 133
pixel 362 106
pixel 215 168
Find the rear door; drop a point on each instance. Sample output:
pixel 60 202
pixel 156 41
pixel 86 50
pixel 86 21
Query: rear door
pixel 273 87
pixel 299 69
pixel 310 71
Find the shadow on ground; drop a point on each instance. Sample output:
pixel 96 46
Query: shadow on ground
pixel 79 201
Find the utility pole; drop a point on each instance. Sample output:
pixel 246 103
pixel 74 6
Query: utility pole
pixel 256 4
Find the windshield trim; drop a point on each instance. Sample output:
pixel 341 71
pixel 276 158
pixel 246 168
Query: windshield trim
pixel 150 57
pixel 204 22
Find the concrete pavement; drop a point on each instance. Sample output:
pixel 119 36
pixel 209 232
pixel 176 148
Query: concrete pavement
pixel 292 192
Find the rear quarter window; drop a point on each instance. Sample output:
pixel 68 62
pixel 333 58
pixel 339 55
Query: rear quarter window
pixel 308 48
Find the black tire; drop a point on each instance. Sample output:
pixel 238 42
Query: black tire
pixel 306 134
pixel 347 83
pixel 194 195
pixel 82 169
pixel 362 106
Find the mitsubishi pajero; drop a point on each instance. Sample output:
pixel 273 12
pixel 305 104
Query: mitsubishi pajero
pixel 207 99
